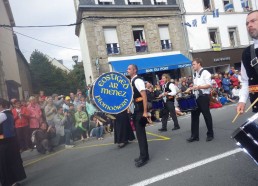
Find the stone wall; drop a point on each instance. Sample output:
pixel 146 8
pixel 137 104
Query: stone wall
pixel 124 21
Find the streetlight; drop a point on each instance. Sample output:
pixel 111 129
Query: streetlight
pixel 75 59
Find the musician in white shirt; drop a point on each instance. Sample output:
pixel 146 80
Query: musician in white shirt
pixel 201 88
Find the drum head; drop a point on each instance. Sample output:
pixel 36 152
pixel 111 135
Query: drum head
pixel 112 92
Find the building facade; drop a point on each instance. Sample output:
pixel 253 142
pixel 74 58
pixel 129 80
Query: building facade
pixel 115 33
pixel 216 31
pixel 14 70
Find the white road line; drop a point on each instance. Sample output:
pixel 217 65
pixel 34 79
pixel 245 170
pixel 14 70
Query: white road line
pixel 185 168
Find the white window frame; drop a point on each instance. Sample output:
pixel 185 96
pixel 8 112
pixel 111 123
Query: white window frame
pixel 135 1
pixel 108 1
pixel 216 30
pixel 164 39
pixel 211 6
pixel 235 35
pixel 159 2
pixel 115 41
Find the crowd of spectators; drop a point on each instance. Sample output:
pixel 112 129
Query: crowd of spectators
pixel 44 122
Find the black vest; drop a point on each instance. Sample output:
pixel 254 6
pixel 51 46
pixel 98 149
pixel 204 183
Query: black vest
pixel 137 94
pixel 251 73
pixel 7 127
pixel 168 90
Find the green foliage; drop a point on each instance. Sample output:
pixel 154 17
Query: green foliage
pixel 51 79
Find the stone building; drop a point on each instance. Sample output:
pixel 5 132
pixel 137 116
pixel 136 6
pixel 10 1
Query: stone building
pixel 15 79
pixel 115 33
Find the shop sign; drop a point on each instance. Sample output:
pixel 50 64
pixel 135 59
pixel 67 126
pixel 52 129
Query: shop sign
pixel 216 60
pixel 216 47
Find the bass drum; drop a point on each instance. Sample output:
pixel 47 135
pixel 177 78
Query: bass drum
pixel 246 137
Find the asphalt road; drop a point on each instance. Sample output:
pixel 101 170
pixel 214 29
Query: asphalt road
pixel 173 161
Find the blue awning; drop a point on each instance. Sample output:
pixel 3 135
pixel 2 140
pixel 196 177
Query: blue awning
pixel 152 64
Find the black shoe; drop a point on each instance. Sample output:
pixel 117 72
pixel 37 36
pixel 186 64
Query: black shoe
pixel 162 130
pixel 176 128
pixel 138 159
pixel 122 145
pixel 191 139
pixel 209 138
pixel 141 162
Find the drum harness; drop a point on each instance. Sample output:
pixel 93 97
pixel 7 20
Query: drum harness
pixel 198 92
pixel 254 64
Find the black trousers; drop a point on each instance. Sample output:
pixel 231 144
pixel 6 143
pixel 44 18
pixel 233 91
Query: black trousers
pixel 203 107
pixel 141 136
pixel 23 137
pixel 169 109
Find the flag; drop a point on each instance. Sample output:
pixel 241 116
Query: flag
pixel 194 23
pixel 204 19
pixel 244 3
pixel 216 13
pixel 187 24
pixel 229 7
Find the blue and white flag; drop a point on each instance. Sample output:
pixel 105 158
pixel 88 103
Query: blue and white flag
pixel 187 24
pixel 204 19
pixel 194 23
pixel 216 13
pixel 229 7
pixel 244 3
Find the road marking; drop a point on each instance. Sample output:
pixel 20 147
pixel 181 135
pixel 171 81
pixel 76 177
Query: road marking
pixel 159 136
pixel 185 168
pixel 45 157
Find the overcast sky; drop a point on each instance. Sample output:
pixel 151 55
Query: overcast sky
pixel 47 12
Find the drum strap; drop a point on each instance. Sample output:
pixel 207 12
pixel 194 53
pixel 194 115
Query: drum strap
pixel 254 61
pixel 195 74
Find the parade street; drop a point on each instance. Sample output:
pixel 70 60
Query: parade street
pixel 173 161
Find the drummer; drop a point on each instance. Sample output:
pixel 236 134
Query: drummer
pixel 249 74
pixel 169 93
pixel 201 88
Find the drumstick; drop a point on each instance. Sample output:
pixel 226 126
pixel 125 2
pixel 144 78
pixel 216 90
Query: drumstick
pixel 235 117
pixel 252 105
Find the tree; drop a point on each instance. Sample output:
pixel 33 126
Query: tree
pixel 51 79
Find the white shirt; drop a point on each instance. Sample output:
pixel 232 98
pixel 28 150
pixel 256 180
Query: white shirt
pixel 139 83
pixel 171 87
pixel 235 92
pixel 3 117
pixel 204 79
pixel 244 91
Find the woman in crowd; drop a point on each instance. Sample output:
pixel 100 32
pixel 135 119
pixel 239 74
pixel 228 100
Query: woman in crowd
pixel 81 122
pixel 11 168
pixel 21 119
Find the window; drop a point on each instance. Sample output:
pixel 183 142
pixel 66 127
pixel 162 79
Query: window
pixel 228 5
pixel 246 5
pixel 111 41
pixel 233 37
pixel 105 2
pixel 208 5
pixel 139 39
pixel 214 37
pixel 159 2
pixel 134 2
pixel 164 37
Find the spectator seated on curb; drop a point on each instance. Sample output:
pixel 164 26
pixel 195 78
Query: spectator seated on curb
pixel 41 137
pixel 225 99
pixel 97 131
pixel 235 93
pixel 214 100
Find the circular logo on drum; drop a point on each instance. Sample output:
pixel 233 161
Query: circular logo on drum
pixel 112 92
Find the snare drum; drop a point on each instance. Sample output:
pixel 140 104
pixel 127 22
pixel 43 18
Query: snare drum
pixel 246 137
pixel 187 103
pixel 158 104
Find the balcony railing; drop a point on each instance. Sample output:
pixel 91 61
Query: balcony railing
pixel 141 49
pixel 166 46
pixel 113 50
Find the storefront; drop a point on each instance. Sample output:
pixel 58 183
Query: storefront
pixel 152 66
pixel 220 61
